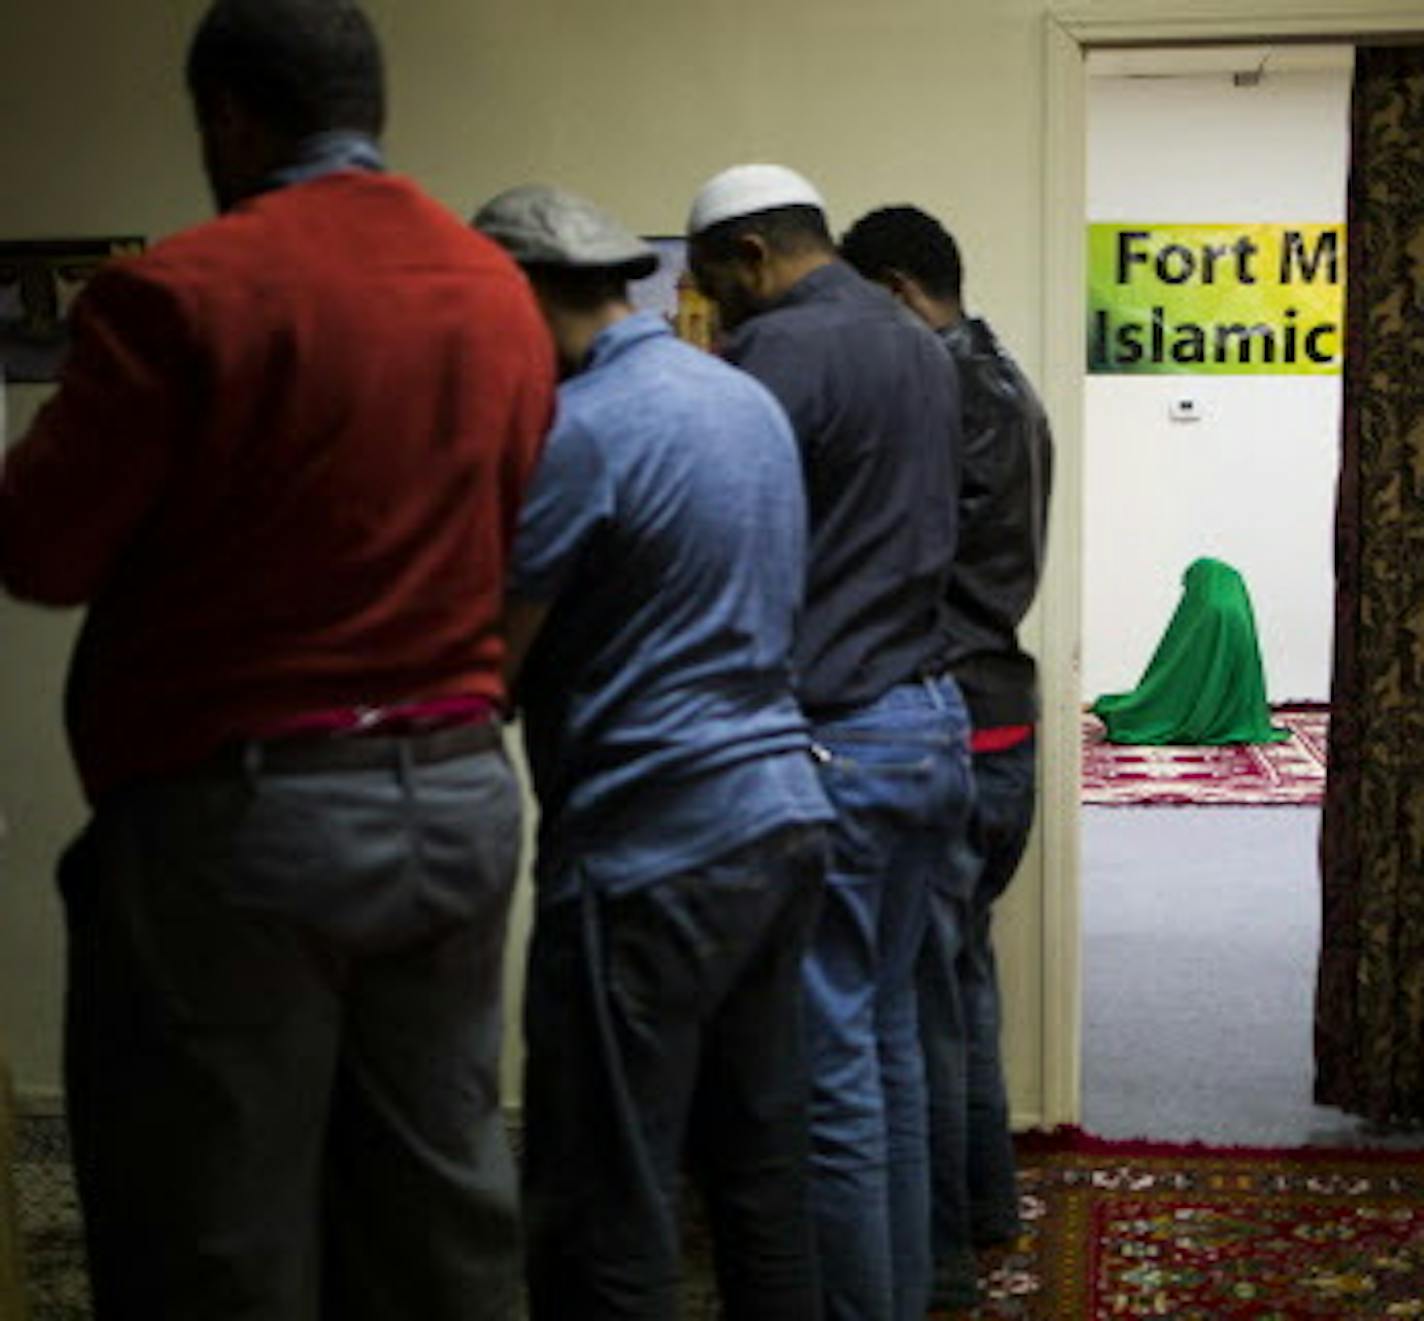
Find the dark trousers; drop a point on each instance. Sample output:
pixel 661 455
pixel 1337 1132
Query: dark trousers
pixel 665 1026
pixel 972 1167
pixel 282 1043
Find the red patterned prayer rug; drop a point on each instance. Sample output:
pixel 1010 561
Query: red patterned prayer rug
pixel 1195 1233
pixel 1254 775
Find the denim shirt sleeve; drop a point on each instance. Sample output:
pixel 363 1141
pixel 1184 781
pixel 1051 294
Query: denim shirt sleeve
pixel 570 500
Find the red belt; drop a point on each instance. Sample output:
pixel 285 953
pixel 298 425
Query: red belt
pixel 1000 738
pixel 398 718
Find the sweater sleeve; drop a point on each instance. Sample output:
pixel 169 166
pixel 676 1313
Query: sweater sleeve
pixel 77 488
pixel 532 417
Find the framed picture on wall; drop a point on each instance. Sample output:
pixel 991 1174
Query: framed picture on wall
pixel 39 281
pixel 671 291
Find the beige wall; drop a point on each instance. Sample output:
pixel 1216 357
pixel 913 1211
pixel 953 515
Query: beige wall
pixel 634 103
pixel 941 102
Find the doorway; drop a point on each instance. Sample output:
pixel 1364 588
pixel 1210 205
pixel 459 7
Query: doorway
pixel 1069 36
pixel 1211 173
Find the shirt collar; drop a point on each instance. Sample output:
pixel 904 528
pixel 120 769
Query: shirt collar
pixel 958 335
pixel 326 153
pixel 969 334
pixel 621 335
pixel 820 282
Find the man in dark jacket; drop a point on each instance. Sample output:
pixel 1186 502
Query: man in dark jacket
pixel 1003 513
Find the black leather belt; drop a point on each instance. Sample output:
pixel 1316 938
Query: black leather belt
pixel 360 752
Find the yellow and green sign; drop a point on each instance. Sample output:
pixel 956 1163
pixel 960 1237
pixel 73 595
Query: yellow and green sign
pixel 1216 299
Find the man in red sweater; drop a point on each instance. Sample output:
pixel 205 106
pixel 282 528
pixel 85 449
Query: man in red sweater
pixel 283 470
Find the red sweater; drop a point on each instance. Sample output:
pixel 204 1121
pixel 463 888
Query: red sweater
pixel 284 466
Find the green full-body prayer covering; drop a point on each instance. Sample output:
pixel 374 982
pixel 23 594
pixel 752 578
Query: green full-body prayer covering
pixel 1204 683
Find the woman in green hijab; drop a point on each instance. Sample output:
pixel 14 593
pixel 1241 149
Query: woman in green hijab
pixel 1204 684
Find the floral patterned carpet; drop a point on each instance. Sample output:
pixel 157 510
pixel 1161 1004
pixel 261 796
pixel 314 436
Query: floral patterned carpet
pixel 1249 775
pixel 1123 1229
pixel 49 1221
pixel 1112 1230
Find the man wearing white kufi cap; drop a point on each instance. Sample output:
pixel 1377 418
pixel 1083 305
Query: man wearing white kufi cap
pixel 876 416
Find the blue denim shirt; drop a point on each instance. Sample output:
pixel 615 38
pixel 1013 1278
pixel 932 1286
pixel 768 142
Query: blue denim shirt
pixel 666 525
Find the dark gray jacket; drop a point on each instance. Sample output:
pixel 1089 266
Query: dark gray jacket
pixel 1006 475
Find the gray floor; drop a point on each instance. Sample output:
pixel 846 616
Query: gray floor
pixel 1201 931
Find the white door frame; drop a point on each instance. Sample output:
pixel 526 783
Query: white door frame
pixel 1069 34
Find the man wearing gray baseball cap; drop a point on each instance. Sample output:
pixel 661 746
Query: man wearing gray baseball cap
pixel 877 419
pixel 660 560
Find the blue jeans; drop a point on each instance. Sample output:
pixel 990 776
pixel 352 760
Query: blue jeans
pixel 974 1187
pixel 665 1028
pixel 898 774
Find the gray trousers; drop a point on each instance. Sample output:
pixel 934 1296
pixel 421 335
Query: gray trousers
pixel 282 1040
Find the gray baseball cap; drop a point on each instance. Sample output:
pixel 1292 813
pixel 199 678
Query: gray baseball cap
pixel 540 225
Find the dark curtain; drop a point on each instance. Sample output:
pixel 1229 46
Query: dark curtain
pixel 1370 996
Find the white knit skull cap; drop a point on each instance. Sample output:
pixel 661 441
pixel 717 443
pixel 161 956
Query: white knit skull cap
pixel 744 190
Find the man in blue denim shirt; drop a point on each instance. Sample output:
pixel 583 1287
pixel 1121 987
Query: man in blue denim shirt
pixel 681 855
pixel 876 418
